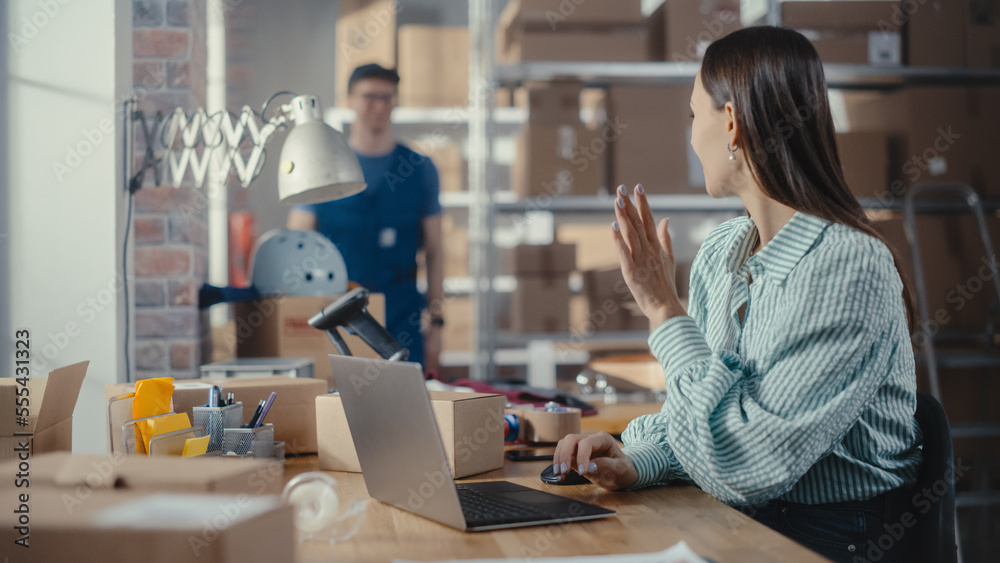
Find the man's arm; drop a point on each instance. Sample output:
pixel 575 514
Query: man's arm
pixel 299 220
pixel 434 256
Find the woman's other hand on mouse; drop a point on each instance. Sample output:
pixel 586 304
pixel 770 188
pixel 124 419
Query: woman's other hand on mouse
pixel 597 457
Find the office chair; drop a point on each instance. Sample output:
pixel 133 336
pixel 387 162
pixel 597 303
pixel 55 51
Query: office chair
pixel 933 536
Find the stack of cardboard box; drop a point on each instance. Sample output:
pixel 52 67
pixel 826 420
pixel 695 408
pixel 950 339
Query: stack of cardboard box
pixel 653 143
pixel 848 31
pixel 366 33
pixel 680 30
pixel 560 30
pixel 952 32
pixel 433 66
pixel 541 301
pixel 556 154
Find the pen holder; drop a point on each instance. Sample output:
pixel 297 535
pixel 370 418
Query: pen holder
pixel 215 420
pixel 259 441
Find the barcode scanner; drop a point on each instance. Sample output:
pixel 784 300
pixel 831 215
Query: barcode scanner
pixel 351 312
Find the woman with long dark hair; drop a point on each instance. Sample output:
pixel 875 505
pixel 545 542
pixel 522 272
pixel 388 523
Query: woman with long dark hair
pixel 790 379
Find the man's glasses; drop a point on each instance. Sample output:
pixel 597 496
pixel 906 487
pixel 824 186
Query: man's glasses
pixel 373 98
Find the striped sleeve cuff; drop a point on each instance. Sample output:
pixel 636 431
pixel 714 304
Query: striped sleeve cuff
pixel 678 342
pixel 652 463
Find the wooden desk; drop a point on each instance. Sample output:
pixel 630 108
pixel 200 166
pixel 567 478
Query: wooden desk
pixel 614 418
pixel 647 521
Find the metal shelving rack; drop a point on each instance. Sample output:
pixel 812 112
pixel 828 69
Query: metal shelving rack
pixel 484 204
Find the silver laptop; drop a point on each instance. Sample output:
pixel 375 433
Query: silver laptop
pixel 403 460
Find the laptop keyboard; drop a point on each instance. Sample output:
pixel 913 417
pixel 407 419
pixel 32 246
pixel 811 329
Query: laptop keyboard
pixel 482 509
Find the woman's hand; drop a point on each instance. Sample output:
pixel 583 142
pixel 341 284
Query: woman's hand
pixel 646 257
pixel 597 457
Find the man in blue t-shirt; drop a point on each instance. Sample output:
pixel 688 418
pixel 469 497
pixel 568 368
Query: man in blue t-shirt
pixel 380 230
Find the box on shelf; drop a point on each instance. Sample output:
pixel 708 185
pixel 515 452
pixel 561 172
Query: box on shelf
pixel 654 145
pixel 471 427
pixel 456 248
pixel 457 332
pixel 943 134
pixel 552 103
pixel 864 157
pixel 450 164
pixel 595 245
pixel 934 32
pixel 366 33
pixel 542 259
pixel 851 31
pixel 558 160
pixel 680 30
pixel 279 326
pixel 163 474
pixel 610 305
pixel 953 257
pixel 292 413
pixel 596 30
pixel 433 66
pixel 982 38
pixel 127 526
pixel 49 403
pixel 540 303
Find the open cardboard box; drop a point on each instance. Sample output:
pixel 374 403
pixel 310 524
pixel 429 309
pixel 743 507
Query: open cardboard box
pixel 471 427
pixel 50 407
pixel 293 412
pixel 146 528
pixel 162 474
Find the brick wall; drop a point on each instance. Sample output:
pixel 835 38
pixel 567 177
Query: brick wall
pixel 171 225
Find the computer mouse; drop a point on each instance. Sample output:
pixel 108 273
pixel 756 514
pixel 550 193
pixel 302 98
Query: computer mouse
pixel 571 478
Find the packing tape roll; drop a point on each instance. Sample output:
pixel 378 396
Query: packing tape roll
pixel 314 496
pixel 550 426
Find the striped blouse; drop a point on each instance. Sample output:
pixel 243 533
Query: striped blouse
pixel 810 398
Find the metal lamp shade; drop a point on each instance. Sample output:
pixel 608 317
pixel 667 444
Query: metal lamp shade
pixel 317 165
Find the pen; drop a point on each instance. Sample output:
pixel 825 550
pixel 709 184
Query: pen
pixel 230 398
pixel 267 407
pixel 256 414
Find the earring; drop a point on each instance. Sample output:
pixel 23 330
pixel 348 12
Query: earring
pixel 732 153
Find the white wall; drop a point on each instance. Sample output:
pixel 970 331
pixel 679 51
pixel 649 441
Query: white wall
pixel 66 82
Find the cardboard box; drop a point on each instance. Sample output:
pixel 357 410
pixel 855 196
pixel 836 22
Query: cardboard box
pixel 556 13
pixel 551 103
pixel 610 305
pixel 619 45
pixel 450 164
pixel 457 332
pixel 850 32
pixel 149 528
pixel 681 30
pixel 148 475
pixel 958 294
pixel 558 160
pixel 595 245
pixel 934 33
pixel 542 259
pixel 366 33
pixel 864 157
pixel 280 327
pixel 859 15
pixel 471 427
pixel 982 38
pixel 433 66
pixel 540 303
pixel 292 413
pixel 654 145
pixel 49 404
pixel 937 134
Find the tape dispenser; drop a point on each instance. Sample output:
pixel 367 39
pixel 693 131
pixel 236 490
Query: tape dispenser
pixel 541 425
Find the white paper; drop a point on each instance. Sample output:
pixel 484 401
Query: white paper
pixel 679 553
